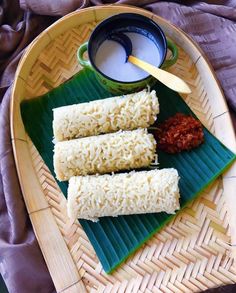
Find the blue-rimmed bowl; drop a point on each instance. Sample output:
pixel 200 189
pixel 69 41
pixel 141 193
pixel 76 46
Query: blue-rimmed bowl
pixel 123 23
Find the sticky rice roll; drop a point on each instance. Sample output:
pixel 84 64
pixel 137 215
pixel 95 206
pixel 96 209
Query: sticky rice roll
pixel 123 150
pixel 92 197
pixel 138 110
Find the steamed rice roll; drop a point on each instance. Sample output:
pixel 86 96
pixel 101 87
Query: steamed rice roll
pixel 91 197
pixel 123 150
pixel 128 112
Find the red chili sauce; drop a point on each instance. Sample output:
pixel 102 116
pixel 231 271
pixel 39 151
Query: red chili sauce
pixel 179 133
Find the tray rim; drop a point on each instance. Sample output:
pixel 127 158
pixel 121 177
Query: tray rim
pixel 37 213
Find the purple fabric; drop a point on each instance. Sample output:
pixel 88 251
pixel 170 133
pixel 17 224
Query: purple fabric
pixel 212 24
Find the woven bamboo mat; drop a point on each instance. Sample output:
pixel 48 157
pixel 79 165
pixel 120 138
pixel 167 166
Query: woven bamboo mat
pixel 193 252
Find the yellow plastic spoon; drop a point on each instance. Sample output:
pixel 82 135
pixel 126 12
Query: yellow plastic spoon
pixel 170 80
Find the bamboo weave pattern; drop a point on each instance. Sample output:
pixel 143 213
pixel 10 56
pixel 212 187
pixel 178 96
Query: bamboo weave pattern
pixel 192 252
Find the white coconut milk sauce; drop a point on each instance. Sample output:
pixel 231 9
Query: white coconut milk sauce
pixel 110 58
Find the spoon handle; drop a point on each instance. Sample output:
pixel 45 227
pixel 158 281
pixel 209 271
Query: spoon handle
pixel 170 80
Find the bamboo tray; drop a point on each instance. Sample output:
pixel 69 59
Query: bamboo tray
pixel 195 251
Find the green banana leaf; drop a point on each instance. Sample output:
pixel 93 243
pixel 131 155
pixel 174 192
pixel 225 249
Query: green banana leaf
pixel 114 239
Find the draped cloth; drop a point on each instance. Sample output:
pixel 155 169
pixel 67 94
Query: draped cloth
pixel 212 24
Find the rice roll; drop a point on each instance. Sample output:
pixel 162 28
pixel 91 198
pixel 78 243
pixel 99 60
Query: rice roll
pixel 123 150
pixel 92 197
pixel 137 110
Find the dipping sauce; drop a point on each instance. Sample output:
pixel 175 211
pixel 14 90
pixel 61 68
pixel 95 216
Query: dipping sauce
pixel 179 133
pixel 110 58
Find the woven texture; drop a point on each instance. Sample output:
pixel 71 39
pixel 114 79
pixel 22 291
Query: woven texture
pixel 114 239
pixel 192 252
